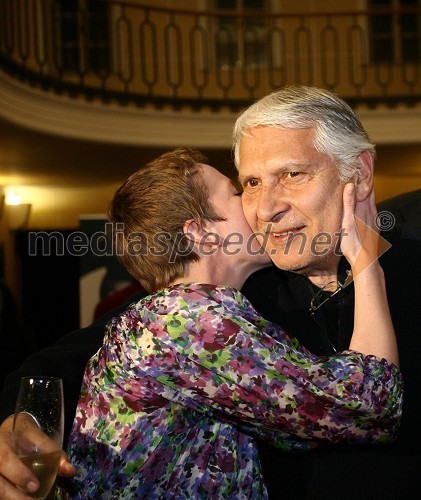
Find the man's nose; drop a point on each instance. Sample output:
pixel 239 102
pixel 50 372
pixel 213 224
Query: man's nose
pixel 271 204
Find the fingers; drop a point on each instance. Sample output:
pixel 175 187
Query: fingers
pixel 360 243
pixel 9 491
pixel 349 195
pixel 65 469
pixel 348 207
pixel 350 243
pixel 366 210
pixel 13 472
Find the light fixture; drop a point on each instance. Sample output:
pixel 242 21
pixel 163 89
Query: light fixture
pixel 18 213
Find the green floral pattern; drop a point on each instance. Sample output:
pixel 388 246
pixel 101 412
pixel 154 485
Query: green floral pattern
pixel 187 378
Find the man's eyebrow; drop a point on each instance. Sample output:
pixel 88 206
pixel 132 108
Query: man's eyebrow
pixel 291 165
pixel 285 167
pixel 243 178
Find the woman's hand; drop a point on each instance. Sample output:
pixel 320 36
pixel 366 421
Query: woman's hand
pixel 360 238
pixel 13 472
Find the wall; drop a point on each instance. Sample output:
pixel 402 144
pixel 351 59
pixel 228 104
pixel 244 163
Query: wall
pixel 398 169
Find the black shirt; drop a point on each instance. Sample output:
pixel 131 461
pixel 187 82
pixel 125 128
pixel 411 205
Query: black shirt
pixel 344 471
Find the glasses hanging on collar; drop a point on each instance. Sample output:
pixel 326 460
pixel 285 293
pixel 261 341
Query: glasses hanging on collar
pixel 320 298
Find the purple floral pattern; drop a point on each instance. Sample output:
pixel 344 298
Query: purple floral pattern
pixel 188 377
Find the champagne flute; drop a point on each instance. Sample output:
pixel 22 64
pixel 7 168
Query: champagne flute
pixel 38 429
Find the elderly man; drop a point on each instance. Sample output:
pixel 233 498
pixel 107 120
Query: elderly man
pixel 295 149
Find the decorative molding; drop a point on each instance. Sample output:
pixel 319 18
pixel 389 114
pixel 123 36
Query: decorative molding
pixel 74 118
pixel 46 112
pixel 392 126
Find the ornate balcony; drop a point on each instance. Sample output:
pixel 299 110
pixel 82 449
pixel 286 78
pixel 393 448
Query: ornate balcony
pixel 126 52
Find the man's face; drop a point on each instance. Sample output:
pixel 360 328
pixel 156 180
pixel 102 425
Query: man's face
pixel 292 198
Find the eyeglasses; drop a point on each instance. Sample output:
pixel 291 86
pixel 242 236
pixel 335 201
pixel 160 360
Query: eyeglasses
pixel 319 299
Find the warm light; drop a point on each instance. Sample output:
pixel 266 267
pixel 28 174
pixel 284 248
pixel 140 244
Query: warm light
pixel 18 212
pixel 28 194
pixel 13 199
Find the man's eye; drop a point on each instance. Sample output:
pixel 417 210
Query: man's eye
pixel 295 178
pixel 251 183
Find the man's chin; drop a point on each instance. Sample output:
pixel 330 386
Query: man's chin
pixel 286 263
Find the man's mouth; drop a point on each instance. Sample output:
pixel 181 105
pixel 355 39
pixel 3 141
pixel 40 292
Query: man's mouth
pixel 281 237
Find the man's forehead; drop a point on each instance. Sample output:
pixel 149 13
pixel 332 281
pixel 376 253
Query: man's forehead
pixel 253 137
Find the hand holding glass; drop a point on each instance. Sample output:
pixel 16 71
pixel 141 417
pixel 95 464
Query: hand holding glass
pixel 38 429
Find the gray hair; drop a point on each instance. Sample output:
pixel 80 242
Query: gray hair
pixel 338 132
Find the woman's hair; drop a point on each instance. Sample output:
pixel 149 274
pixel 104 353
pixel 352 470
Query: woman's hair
pixel 148 213
pixel 338 132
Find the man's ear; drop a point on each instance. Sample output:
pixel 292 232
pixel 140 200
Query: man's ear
pixel 364 181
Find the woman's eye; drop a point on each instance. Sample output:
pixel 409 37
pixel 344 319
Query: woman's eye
pixel 292 175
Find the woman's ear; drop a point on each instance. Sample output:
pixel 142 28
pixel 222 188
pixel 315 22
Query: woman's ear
pixel 200 236
pixel 192 231
pixel 364 181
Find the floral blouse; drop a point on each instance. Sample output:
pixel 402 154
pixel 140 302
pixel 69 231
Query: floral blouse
pixel 188 377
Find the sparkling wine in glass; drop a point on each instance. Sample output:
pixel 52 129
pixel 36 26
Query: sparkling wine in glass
pixel 38 429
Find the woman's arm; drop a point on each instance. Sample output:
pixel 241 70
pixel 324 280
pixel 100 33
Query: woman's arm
pixel 217 355
pixel 373 329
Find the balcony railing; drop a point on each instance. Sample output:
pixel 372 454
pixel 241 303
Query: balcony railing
pixel 128 53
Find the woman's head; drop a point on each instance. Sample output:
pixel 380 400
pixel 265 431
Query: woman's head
pixel 338 132
pixel 149 211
